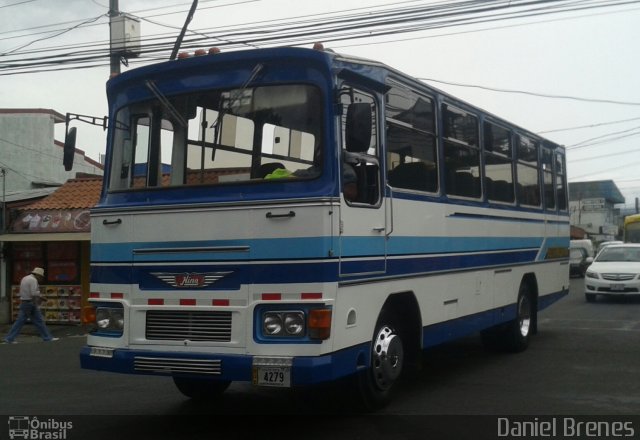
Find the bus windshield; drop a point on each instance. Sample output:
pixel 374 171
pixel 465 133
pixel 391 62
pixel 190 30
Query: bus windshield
pixel 217 137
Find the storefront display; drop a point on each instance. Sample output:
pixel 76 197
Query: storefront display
pixel 62 291
pixel 60 304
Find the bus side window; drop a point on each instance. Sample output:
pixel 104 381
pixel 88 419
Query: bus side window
pixel 561 183
pixel 528 165
pixel 498 166
pixel 462 153
pixel 547 178
pixel 412 159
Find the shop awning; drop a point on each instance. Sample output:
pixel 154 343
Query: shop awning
pixel 62 236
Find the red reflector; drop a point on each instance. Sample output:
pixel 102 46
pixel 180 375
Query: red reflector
pixel 155 302
pixel 117 295
pixel 187 302
pixel 220 302
pixel 94 295
pixel 271 296
pixel 311 296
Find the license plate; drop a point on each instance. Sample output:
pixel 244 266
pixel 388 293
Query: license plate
pixel 616 287
pixel 272 376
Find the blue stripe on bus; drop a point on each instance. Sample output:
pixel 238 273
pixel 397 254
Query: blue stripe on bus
pixel 293 271
pixel 305 248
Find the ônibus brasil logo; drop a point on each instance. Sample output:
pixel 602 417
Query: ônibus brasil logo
pixel 33 428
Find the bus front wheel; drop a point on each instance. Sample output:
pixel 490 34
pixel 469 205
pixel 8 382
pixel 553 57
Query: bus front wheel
pixel 377 382
pixel 200 389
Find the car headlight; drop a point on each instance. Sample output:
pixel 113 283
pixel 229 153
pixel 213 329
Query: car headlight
pixel 592 275
pixel 284 323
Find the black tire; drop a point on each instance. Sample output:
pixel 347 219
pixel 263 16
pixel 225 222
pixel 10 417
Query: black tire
pixel 514 336
pixel 200 389
pixel 377 383
pixel 590 297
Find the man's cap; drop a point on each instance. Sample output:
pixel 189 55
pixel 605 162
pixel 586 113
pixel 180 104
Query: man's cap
pixel 38 271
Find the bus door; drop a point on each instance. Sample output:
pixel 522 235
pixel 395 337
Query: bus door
pixel 363 221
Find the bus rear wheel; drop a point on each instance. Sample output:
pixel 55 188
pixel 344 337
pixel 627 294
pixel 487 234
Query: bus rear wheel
pixel 377 383
pixel 200 389
pixel 515 335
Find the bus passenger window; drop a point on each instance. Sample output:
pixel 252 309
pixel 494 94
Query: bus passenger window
pixel 547 176
pixel 561 183
pixel 411 142
pixel 462 153
pixel 528 181
pixel 498 166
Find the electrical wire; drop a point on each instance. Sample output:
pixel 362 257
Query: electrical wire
pixel 355 26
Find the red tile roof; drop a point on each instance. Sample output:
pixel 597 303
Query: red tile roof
pixel 74 194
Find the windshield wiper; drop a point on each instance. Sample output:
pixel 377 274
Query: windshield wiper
pixel 175 114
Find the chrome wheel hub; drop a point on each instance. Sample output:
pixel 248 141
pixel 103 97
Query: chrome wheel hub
pixel 524 314
pixel 387 358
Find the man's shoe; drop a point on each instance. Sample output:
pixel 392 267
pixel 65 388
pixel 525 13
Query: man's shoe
pixel 52 340
pixel 6 341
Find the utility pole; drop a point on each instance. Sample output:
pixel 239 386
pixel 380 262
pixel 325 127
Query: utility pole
pixel 3 174
pixel 114 12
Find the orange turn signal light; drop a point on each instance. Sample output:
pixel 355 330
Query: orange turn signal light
pixel 319 323
pixel 88 315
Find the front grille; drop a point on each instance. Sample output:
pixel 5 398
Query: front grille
pixel 185 325
pixel 618 276
pixel 170 365
pixel 625 290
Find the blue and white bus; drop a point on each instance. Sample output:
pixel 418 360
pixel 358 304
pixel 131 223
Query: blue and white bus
pixel 289 217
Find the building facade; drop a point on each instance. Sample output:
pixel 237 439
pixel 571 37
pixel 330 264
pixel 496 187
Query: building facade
pixel 592 208
pixel 30 169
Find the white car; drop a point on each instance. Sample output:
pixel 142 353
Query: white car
pixel 614 271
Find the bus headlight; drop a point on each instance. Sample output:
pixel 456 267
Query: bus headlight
pixel 109 319
pixel 284 323
pixel 272 324
pixel 294 323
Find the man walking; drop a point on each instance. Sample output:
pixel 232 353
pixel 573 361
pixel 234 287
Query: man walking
pixel 29 302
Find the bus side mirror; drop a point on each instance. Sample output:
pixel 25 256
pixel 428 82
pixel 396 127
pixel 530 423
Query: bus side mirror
pixel 358 127
pixel 69 149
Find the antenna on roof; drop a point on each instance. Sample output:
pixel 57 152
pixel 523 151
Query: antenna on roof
pixel 176 47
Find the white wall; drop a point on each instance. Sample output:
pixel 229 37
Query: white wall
pixel 28 152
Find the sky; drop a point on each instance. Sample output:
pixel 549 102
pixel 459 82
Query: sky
pixel 590 55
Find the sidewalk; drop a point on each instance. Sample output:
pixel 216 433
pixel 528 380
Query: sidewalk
pixel 30 334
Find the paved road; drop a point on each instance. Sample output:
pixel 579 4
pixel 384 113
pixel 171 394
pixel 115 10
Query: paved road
pixel 584 360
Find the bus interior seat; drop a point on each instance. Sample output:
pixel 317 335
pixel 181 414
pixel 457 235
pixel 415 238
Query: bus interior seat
pixel 414 175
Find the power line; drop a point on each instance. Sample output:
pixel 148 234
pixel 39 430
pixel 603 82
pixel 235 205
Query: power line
pixel 53 36
pixel 588 126
pixel 635 131
pixel 542 95
pixel 355 26
pixel 608 155
pixel 17 4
